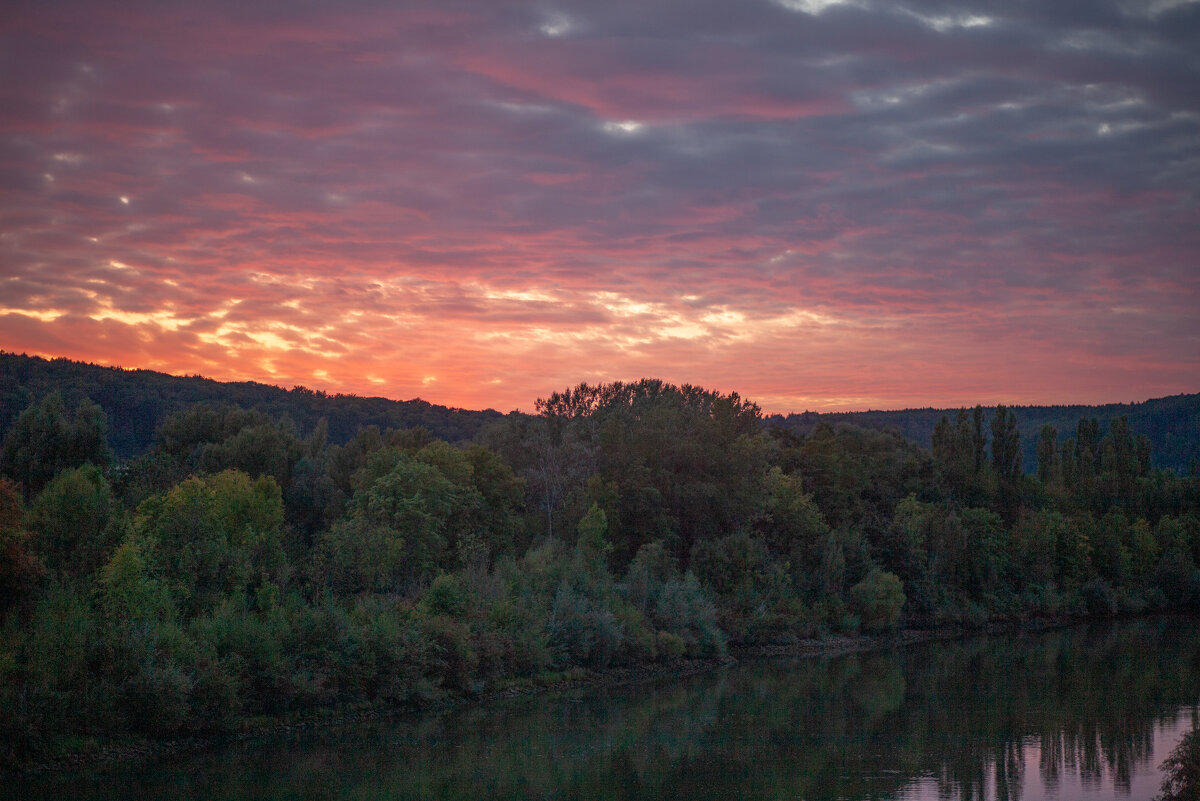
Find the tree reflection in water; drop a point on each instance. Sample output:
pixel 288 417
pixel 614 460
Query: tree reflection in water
pixel 1055 714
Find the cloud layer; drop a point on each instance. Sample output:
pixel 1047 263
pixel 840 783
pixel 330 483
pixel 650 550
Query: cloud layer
pixel 820 204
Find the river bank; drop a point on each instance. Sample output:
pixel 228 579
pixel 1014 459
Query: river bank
pixel 977 712
pixel 98 754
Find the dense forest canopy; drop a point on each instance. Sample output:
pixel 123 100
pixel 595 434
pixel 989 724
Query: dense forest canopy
pixel 137 401
pixel 1171 424
pixel 249 565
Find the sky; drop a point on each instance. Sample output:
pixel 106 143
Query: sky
pixel 818 204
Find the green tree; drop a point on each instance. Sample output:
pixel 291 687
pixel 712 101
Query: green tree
pixel 20 570
pixel 591 541
pixel 126 593
pixel 1006 461
pixel 683 464
pixel 958 451
pixel 413 515
pixel 1006 445
pixel 74 522
pixel 878 600
pixel 978 439
pixel 214 535
pixel 46 439
pixel 794 529
pixel 1048 468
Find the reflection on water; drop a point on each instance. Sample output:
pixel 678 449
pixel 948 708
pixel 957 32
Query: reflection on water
pixel 1087 712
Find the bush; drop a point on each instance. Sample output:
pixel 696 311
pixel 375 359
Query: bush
pixel 1099 598
pixel 640 642
pixel 393 657
pixel 453 659
pixel 214 699
pixel 1182 769
pixel 155 698
pixel 878 600
pixel 681 607
pixel 56 653
pixel 1178 579
pixel 448 595
pixel 580 633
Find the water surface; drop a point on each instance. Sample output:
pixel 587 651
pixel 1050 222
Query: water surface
pixel 1082 713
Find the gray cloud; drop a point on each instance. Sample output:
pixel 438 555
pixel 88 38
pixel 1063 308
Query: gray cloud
pixel 908 161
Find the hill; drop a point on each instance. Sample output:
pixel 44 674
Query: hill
pixel 136 401
pixel 1172 425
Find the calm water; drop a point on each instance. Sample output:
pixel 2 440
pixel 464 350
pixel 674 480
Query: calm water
pixel 1084 713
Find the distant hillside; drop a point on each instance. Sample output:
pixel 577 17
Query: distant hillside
pixel 1172 424
pixel 136 401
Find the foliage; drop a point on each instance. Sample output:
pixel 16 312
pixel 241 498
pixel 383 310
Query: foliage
pixel 46 439
pixel 1181 781
pixel 74 522
pixel 20 570
pixel 213 536
pixel 878 600
pixel 139 401
pixel 238 569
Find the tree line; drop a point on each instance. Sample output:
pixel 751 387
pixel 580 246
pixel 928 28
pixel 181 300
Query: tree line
pixel 1172 424
pixel 137 402
pixel 243 569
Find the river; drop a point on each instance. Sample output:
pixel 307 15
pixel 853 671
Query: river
pixel 1087 712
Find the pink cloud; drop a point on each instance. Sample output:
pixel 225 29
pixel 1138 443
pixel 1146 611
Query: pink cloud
pixel 819 212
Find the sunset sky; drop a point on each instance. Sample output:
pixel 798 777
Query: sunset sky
pixel 819 204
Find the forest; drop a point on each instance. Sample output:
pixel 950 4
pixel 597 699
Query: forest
pixel 246 568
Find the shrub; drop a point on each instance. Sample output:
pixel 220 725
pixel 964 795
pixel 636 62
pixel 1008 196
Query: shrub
pixel 1099 598
pixel 453 659
pixel 681 607
pixel 1182 769
pixel 671 646
pixel 448 595
pixel 1178 579
pixel 639 637
pixel 155 698
pixel 214 698
pixel 580 633
pixel 878 600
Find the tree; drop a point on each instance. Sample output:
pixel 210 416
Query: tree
pixel 210 438
pixel 979 439
pixel 1047 456
pixel 45 440
pixel 958 450
pixel 413 514
pixel 1006 460
pixel 676 463
pixel 1181 780
pixel 591 542
pixel 794 529
pixel 20 571
pixel 1006 445
pixel 126 593
pixel 74 522
pixel 878 600
pixel 213 536
pixel 1087 450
